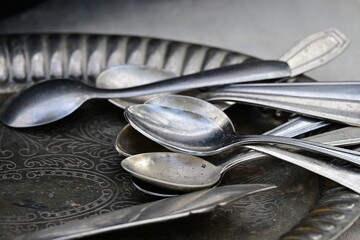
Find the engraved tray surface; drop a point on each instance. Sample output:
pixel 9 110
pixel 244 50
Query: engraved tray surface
pixel 70 170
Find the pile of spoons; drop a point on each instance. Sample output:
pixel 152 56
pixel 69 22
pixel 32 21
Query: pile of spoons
pixel 181 127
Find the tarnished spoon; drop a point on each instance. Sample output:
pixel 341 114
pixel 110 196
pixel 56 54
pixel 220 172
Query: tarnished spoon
pixel 131 75
pixel 183 172
pixel 192 133
pixel 130 142
pixel 348 176
pixel 334 101
pixel 50 101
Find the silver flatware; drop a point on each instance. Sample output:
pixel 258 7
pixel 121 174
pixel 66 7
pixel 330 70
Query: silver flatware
pixel 159 211
pixel 129 142
pixel 196 136
pixel 334 101
pixel 192 133
pixel 345 175
pixel 39 104
pixel 182 172
pixel 131 75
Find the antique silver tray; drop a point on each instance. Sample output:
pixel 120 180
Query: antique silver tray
pixel 70 170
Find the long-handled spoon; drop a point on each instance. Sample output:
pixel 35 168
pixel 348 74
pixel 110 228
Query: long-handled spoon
pixel 348 176
pixel 50 101
pixel 184 172
pixel 335 101
pixel 130 142
pixel 311 52
pixel 192 133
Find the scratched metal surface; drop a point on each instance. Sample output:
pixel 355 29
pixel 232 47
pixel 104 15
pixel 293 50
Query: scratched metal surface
pixel 70 170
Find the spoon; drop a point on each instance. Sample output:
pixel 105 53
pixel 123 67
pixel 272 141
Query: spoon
pixel 311 52
pixel 131 75
pixel 347 176
pixel 50 101
pixel 334 101
pixel 130 142
pixel 189 132
pixel 183 172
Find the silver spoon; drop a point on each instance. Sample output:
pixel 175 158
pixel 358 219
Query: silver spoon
pixel 311 52
pixel 130 142
pixel 347 176
pixel 50 101
pixel 192 133
pixel 334 101
pixel 183 172
pixel 131 75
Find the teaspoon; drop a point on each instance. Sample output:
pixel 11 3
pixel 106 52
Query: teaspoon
pixel 131 75
pixel 183 172
pixel 189 132
pixel 130 142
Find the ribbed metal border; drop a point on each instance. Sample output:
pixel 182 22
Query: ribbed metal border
pixel 25 59
pixel 335 211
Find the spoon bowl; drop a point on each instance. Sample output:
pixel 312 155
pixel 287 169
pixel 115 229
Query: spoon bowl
pixel 43 103
pixel 129 141
pixel 191 172
pixel 131 75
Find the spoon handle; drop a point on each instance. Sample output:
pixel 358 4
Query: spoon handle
pixel 346 136
pixel 238 73
pixel 345 175
pixel 345 154
pixel 296 127
pixel 315 50
pixel 335 101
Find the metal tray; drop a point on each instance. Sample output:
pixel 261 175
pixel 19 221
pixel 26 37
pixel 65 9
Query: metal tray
pixel 70 170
